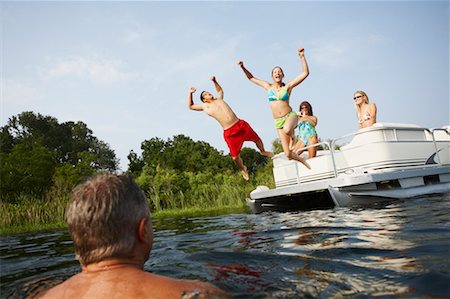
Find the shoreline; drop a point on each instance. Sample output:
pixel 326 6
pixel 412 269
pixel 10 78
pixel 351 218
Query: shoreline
pixel 169 213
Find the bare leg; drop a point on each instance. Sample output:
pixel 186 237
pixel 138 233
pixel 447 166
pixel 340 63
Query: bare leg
pixel 312 152
pixel 290 154
pixel 291 141
pixel 260 146
pixel 297 147
pixel 241 166
pixel 289 129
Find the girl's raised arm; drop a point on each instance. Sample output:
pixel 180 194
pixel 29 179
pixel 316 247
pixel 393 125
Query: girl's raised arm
pixel 305 71
pixel 262 83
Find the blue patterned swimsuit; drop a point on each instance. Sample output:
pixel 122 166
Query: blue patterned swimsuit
pixel 306 130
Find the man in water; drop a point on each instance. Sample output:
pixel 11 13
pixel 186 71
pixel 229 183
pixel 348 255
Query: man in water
pixel 110 225
pixel 235 130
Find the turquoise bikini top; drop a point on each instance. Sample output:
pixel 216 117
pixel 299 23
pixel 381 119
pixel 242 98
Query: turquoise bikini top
pixel 281 96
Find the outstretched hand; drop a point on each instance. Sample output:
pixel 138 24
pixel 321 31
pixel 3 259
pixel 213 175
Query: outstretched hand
pixel 213 78
pixel 192 89
pixel 301 51
pixel 240 63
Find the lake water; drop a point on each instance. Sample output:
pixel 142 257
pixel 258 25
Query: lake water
pixel 399 250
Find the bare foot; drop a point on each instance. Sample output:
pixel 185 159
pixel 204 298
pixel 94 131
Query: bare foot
pixel 300 159
pixel 245 173
pixel 267 154
pixel 303 161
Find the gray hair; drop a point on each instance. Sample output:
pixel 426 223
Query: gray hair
pixel 103 215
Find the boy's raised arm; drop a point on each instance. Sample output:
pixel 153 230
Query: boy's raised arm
pixel 218 87
pixel 191 105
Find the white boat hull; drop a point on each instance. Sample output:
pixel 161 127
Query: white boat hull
pixel 382 163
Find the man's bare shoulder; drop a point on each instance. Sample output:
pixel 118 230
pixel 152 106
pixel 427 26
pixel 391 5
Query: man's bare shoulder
pixel 67 289
pixel 134 284
pixel 170 288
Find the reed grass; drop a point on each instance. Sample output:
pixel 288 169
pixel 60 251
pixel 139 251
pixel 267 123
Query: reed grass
pixel 199 212
pixel 173 195
pixel 15 227
pixel 33 211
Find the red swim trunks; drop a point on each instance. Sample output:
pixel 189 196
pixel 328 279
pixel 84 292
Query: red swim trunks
pixel 237 134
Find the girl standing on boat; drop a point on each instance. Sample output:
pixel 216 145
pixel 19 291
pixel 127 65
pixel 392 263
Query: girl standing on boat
pixel 365 112
pixel 278 96
pixel 307 136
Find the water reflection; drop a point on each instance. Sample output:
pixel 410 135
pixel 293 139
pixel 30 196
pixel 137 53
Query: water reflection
pixel 396 250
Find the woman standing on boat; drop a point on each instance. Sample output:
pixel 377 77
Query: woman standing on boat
pixel 307 134
pixel 278 96
pixel 365 112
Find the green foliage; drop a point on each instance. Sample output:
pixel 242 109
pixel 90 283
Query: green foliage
pixel 26 170
pixel 68 176
pixel 253 159
pixel 182 173
pixel 41 161
pixel 38 153
pixel 33 211
pixel 169 189
pixel 182 154
pixel 276 146
pixel 135 164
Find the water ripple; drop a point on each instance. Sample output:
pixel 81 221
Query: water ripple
pixel 400 250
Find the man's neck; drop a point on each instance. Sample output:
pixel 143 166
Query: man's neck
pixel 111 264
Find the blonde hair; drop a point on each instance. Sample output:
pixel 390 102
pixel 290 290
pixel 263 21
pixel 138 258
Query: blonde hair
pixel 366 100
pixel 102 217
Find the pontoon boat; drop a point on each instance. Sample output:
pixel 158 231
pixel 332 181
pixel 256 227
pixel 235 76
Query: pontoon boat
pixel 381 163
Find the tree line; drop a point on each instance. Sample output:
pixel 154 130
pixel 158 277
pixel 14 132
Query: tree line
pixel 39 155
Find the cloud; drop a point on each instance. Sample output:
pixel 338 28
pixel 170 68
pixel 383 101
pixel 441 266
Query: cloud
pixel 345 48
pixel 132 36
pixel 100 70
pixel 191 68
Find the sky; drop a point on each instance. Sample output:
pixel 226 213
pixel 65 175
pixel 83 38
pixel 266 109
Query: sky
pixel 124 67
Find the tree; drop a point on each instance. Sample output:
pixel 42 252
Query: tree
pixel 136 164
pixel 35 146
pixel 26 170
pixel 183 154
pixel 253 159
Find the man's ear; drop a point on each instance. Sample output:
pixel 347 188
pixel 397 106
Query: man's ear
pixel 143 229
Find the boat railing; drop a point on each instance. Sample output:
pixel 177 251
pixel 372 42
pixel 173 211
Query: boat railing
pixel 333 146
pixel 395 130
pixel 433 136
pixel 328 144
pixel 315 145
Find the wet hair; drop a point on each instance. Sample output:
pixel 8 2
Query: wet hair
pixel 103 215
pixel 308 107
pixel 201 95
